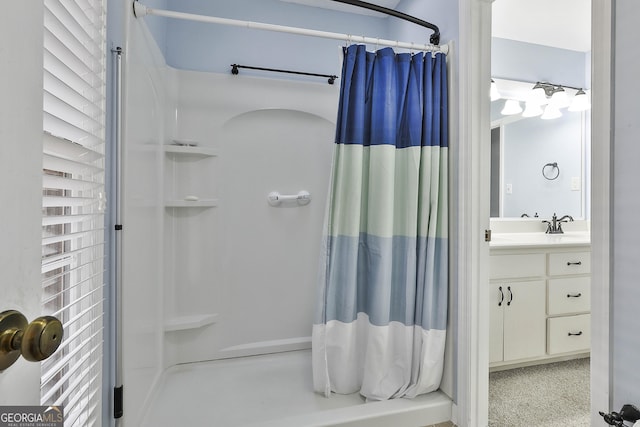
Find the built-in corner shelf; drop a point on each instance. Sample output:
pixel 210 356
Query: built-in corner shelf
pixel 200 203
pixel 194 321
pixel 190 149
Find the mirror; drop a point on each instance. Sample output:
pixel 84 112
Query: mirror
pixel 538 166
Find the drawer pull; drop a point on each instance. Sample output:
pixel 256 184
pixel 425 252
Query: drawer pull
pixel 501 296
pixel 578 295
pixel 574 335
pixel 510 295
pixel 569 263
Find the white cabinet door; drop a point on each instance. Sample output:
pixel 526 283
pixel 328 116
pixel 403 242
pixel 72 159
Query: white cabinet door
pixel 496 322
pixel 524 320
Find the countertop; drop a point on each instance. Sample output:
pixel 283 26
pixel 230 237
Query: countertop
pixel 539 239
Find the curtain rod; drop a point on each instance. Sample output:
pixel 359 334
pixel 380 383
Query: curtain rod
pixel 140 10
pixel 435 37
pixel 330 77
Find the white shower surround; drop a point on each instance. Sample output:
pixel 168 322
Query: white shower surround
pixel 249 269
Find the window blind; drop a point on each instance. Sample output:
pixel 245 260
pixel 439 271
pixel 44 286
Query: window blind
pixel 73 203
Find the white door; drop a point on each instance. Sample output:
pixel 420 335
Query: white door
pixel 21 187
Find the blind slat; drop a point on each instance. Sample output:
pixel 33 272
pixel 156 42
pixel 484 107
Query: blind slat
pixel 52 297
pixel 95 232
pixel 66 258
pixel 78 386
pixel 62 72
pixel 57 47
pixel 70 150
pixel 53 124
pixel 60 364
pixel 70 342
pixel 60 183
pixel 58 18
pixel 74 58
pixel 69 219
pixel 68 166
pixel 61 201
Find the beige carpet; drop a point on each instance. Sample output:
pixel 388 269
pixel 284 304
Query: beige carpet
pixel 555 394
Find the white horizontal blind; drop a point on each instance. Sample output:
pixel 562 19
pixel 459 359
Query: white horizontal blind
pixel 73 204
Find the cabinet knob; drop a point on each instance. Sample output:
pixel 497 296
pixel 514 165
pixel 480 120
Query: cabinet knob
pixel 577 334
pixel 569 263
pixel 578 295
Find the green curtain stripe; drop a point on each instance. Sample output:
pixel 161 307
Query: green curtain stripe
pixel 381 189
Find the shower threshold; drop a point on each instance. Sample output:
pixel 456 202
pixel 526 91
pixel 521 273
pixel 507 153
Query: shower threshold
pixel 275 390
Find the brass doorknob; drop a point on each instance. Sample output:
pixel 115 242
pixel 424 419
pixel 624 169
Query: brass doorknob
pixel 41 338
pixel 35 341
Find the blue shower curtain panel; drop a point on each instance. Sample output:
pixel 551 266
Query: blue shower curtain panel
pixel 381 316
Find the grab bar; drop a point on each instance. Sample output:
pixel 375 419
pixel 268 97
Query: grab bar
pixel 302 198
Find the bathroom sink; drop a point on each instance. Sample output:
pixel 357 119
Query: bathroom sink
pixel 540 239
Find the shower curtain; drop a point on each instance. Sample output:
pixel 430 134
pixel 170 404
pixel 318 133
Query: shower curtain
pixel 380 321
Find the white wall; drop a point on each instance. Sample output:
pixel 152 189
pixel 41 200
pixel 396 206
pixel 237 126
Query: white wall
pixel 625 207
pixel 253 265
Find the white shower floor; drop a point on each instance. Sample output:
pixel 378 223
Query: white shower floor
pixel 276 390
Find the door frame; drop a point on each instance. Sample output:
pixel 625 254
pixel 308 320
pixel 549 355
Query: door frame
pixel 472 160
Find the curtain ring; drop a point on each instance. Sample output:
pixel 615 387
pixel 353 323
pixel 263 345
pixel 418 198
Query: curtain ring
pixel 377 43
pixel 550 177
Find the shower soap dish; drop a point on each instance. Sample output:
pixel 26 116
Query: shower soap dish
pixel 185 143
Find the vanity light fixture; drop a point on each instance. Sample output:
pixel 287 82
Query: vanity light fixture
pixel 543 99
pixel 493 93
pixel 511 107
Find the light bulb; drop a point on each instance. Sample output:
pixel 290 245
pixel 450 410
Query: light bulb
pixel 559 99
pixel 551 112
pixel 580 102
pixel 511 107
pixel 493 93
pixel 532 109
pixel 537 96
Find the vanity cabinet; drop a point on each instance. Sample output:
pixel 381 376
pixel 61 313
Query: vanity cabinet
pixel 539 304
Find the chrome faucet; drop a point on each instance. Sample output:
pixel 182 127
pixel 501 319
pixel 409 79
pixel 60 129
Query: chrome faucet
pixel 555 225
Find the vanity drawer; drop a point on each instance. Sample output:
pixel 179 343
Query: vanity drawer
pixel 570 295
pixel 565 263
pixel 519 265
pixel 569 333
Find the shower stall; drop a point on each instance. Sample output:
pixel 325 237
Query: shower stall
pixel 218 278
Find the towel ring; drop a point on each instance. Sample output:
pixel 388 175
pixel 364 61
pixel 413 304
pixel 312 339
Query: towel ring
pixel 549 176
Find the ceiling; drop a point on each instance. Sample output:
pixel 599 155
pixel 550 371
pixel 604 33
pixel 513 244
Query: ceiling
pixel 564 24
pixel 329 4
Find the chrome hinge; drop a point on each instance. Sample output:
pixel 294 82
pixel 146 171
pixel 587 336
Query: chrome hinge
pixel 487 235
